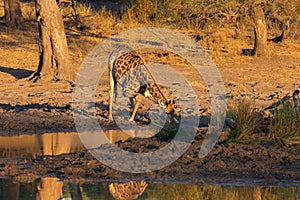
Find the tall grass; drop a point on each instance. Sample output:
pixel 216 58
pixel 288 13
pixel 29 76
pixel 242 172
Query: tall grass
pixel 284 127
pixel 246 118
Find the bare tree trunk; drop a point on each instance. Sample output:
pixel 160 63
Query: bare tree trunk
pixel 13 13
pixel 260 30
pixel 54 61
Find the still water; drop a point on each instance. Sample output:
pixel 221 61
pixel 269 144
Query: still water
pixel 51 188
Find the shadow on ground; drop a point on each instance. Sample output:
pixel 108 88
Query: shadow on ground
pixel 17 73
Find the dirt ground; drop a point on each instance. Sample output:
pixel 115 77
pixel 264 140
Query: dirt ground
pixel 46 107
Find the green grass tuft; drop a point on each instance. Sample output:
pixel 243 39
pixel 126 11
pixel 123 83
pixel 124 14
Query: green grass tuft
pixel 246 118
pixel 284 127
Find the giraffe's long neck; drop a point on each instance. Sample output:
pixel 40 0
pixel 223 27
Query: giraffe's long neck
pixel 153 91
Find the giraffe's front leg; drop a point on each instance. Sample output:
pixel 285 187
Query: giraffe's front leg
pixel 138 100
pixel 173 119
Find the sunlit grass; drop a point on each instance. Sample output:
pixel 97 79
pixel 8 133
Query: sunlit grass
pixel 96 21
pixel 246 118
pixel 284 127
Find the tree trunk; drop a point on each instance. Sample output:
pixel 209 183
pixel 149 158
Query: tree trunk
pixel 54 61
pixel 260 30
pixel 13 13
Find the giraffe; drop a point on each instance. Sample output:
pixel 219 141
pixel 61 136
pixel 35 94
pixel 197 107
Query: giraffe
pixel 127 68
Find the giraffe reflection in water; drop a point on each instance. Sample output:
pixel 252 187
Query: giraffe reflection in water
pixel 127 191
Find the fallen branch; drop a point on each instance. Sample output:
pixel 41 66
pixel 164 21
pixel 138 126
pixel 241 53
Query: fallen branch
pixel 278 103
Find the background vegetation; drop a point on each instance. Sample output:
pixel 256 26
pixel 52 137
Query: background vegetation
pixel 187 14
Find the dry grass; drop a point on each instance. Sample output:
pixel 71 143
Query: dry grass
pixel 284 127
pixel 246 118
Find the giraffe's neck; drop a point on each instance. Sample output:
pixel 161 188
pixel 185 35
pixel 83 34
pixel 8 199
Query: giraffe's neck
pixel 153 91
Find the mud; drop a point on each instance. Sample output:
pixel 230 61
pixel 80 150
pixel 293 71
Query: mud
pixel 235 164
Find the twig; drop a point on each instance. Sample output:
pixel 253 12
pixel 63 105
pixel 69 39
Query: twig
pixel 278 103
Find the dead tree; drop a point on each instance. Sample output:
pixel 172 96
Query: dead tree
pixel 12 13
pixel 260 30
pixel 54 61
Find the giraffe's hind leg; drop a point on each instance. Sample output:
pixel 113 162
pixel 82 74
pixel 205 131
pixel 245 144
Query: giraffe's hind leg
pixel 111 94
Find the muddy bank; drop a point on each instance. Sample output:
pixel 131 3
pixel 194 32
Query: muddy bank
pixel 226 164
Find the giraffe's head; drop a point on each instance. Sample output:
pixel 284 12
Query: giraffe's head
pixel 170 110
pixel 170 106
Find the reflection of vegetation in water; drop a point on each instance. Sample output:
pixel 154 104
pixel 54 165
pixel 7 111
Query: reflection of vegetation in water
pixel 98 190
pixel 95 191
pixel 14 190
pixel 218 192
pixel 91 190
